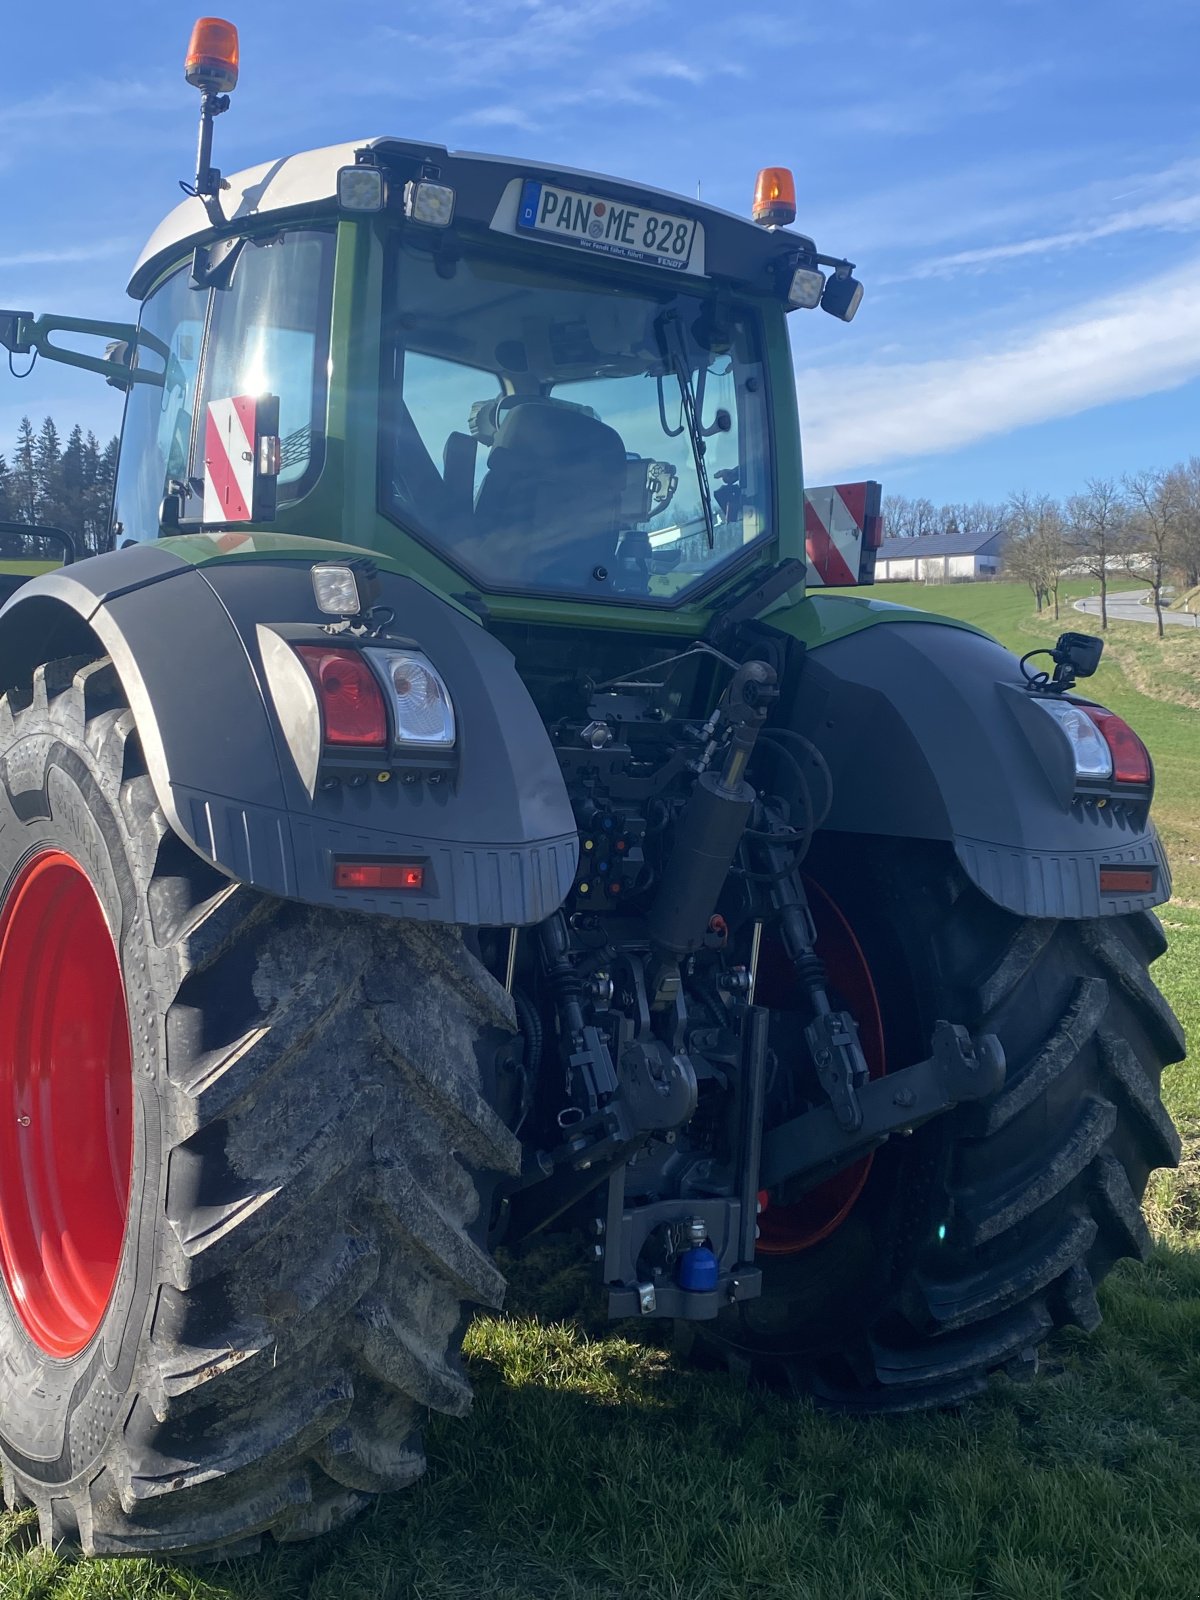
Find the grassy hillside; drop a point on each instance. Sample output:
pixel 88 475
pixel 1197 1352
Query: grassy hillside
pixel 596 1467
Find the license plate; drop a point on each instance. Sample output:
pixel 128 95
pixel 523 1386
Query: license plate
pixel 609 227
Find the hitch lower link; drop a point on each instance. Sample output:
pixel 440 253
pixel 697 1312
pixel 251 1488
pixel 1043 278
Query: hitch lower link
pixel 818 1142
pixel 861 1112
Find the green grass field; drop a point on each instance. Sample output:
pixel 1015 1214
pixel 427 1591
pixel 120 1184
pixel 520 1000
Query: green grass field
pixel 595 1467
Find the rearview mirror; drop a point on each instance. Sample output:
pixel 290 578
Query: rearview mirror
pixel 36 546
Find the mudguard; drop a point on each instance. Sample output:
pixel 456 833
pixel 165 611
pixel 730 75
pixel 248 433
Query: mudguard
pixel 497 834
pixel 930 734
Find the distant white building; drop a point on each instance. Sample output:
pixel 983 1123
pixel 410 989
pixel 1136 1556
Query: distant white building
pixel 939 558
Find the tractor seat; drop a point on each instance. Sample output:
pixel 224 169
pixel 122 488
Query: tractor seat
pixel 550 504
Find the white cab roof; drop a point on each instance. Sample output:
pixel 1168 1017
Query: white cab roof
pixel 281 185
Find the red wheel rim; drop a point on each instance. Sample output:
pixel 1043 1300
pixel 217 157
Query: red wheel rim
pixel 786 1230
pixel 66 1104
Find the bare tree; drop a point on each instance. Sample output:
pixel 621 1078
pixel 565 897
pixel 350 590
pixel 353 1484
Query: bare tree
pixel 1184 490
pixel 1098 528
pixel 1038 547
pixel 1154 523
pixel 1020 563
pixel 905 518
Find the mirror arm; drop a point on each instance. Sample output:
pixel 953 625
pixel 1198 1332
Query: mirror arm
pixel 21 333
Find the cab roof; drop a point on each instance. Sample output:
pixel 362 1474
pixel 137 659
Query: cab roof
pixel 306 184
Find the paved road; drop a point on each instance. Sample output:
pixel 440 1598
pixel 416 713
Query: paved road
pixel 1127 607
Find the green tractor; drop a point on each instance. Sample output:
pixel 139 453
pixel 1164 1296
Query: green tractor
pixel 450 813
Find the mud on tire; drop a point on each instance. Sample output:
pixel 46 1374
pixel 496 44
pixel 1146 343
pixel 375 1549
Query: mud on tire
pixel 311 1158
pixel 992 1226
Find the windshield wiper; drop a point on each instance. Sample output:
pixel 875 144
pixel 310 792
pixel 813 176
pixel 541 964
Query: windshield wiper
pixel 671 339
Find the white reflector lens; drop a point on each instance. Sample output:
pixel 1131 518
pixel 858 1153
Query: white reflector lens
pixel 421 702
pixel 360 188
pixel 336 589
pixel 431 203
pixel 807 288
pixel 1093 758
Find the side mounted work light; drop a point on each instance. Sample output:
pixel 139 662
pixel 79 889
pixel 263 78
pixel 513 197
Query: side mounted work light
pixel 843 293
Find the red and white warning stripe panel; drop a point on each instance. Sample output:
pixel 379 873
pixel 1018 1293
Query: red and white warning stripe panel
pixel 230 440
pixel 843 529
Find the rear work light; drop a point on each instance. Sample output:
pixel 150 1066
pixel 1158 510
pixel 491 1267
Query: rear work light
pixel 378 875
pixel 1130 758
pixel 430 203
pixel 352 705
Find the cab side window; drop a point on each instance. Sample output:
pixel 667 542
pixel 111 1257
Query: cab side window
pixel 157 436
pixel 269 334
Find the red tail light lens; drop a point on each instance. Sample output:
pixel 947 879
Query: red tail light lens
pixel 1131 759
pixel 352 708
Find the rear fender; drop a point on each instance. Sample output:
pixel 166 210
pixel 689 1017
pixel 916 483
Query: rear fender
pixel 929 734
pixel 498 841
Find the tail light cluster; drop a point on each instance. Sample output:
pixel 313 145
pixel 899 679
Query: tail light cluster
pixel 355 688
pixel 1105 748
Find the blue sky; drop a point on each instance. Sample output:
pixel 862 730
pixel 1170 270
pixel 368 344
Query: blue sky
pixel 1018 180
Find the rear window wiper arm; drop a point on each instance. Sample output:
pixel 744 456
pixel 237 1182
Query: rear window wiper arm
pixel 671 339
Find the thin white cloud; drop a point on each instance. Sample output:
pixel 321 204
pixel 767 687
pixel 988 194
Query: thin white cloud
pixel 67 102
pixel 628 81
pixel 101 249
pixel 1140 341
pixel 995 210
pixel 1178 215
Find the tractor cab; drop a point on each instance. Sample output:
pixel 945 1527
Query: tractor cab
pixel 514 380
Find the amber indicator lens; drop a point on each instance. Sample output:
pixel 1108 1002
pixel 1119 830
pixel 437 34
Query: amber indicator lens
pixel 212 58
pixel 775 197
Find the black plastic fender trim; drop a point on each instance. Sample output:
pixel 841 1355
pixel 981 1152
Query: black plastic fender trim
pixel 917 723
pixel 499 844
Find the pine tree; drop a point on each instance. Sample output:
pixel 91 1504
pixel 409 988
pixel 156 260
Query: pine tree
pixel 47 470
pixel 72 467
pixel 106 478
pixel 7 509
pixel 23 475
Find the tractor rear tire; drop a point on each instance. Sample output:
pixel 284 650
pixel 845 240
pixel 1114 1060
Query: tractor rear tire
pixel 991 1226
pixel 267 1195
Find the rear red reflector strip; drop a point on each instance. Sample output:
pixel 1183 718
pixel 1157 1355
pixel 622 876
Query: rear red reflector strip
pixel 1127 880
pixel 1131 759
pixel 378 875
pixel 352 708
